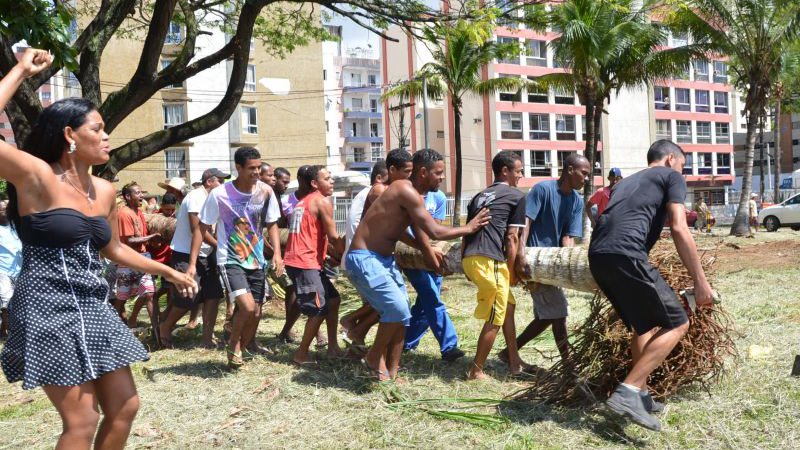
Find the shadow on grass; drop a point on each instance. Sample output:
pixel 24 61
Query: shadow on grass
pixel 595 419
pixel 199 369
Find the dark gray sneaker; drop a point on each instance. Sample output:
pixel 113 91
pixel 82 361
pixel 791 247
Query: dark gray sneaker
pixel 453 354
pixel 650 404
pixel 628 403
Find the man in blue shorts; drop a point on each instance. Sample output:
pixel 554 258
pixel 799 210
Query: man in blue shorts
pixel 370 262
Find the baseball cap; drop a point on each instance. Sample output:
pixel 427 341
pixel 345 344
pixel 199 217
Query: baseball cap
pixel 615 172
pixel 214 172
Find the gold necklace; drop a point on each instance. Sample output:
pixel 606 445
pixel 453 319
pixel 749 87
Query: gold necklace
pixel 64 177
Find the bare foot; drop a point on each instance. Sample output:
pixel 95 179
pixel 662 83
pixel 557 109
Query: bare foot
pixel 191 325
pixel 334 352
pixel 517 366
pixel 346 324
pixel 164 337
pixel 375 374
pixel 476 372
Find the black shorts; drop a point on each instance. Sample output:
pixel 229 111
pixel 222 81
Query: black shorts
pixel 314 290
pixel 240 281
pixel 207 279
pixel 638 292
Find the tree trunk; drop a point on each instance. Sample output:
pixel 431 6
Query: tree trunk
pixel 741 223
pixel 590 150
pixel 776 189
pixel 566 267
pixel 457 162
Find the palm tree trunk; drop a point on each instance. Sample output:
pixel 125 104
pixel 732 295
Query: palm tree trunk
pixel 741 223
pixel 590 151
pixel 567 267
pixel 457 162
pixel 776 190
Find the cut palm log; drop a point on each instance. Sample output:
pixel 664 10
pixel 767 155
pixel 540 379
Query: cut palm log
pixel 163 225
pixel 567 267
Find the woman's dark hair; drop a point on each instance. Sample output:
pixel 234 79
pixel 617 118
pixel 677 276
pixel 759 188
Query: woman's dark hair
pixel 46 140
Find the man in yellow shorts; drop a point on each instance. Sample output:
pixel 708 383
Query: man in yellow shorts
pixel 489 253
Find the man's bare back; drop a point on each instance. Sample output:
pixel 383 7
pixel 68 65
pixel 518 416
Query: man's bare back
pixel 390 215
pixel 387 218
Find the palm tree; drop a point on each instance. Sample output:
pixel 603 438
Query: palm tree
pixel 754 34
pixel 459 51
pixel 607 46
pixel 785 94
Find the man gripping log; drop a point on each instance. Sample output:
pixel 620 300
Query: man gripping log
pixel 370 262
pixel 625 234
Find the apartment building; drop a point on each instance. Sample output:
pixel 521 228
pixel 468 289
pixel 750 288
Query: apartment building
pixel 281 111
pixel 543 127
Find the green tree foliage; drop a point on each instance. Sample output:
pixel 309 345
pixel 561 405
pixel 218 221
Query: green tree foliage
pixel 754 34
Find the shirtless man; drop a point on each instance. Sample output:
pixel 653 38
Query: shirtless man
pixel 370 261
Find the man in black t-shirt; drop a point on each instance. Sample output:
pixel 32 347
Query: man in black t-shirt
pixel 488 259
pixel 625 233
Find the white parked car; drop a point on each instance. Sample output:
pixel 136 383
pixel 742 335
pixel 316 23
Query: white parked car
pixel 785 214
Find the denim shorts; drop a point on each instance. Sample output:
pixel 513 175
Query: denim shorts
pixel 379 281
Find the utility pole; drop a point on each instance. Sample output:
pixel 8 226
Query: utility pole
pixel 761 159
pixel 401 108
pixel 425 109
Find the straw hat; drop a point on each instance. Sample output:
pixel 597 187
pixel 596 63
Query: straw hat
pixel 175 183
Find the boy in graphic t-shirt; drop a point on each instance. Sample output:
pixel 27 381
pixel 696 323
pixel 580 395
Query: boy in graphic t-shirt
pixel 484 259
pixel 241 209
pixel 310 227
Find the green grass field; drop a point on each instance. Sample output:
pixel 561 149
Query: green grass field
pixel 190 400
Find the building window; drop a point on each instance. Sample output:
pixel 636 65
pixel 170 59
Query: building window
pixel 373 130
pixel 539 127
pixel 703 132
pixel 327 126
pixel 507 11
pixel 373 105
pixel 174 34
pixel 324 75
pixel 704 163
pixel 540 163
pixel 357 104
pixel 354 130
pixel 44 96
pixel 661 94
pixel 376 149
pixel 176 162
pixel 358 154
pixel 701 101
pixel 721 102
pixel 536 95
pixel 249 120
pixel 720 72
pixel 372 79
pixel 723 163
pixel 564 98
pixel 506 96
pixel 328 150
pixel 683 131
pixel 700 70
pixel 663 129
pixel 682 100
pixel 565 127
pixel 536 53
pixel 164 64
pixel 508 40
pixel 723 132
pixel 173 114
pixel 680 39
pixel 439 134
pixel 688 167
pixel 250 80
pixel 510 125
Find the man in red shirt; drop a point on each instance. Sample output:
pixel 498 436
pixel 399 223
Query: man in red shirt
pixel 133 233
pixel 311 226
pixel 602 196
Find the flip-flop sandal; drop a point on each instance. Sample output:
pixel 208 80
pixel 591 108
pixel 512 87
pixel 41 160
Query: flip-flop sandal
pixel 235 360
pixel 306 364
pixel 374 374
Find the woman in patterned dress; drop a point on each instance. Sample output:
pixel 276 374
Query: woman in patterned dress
pixel 64 335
